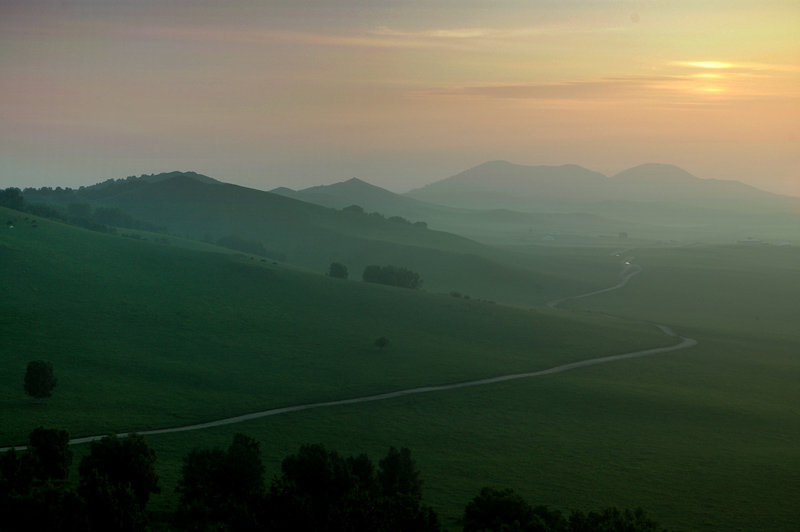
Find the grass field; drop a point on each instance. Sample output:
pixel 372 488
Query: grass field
pixel 144 335
pixel 147 335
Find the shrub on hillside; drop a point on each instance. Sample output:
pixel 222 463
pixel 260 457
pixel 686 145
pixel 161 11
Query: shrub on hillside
pixel 392 276
pixel 337 270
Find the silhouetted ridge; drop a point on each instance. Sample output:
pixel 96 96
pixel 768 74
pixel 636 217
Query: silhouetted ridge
pixel 663 173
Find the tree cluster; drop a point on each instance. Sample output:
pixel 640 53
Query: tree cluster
pixel 317 490
pixel 392 276
pixel 496 510
pixel 116 480
pixel 394 219
pixel 337 270
pixel 76 213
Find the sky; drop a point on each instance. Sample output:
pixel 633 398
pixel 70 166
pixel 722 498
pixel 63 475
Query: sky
pixel 400 93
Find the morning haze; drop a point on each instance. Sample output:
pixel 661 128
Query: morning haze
pixel 399 266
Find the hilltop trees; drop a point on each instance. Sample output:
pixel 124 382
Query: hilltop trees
pixel 39 379
pixel 392 276
pixel 12 199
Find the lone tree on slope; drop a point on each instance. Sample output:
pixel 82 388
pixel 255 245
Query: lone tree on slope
pixel 381 342
pixel 39 379
pixel 338 270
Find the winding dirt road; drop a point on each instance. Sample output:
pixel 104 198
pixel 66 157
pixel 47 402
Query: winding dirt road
pixel 628 271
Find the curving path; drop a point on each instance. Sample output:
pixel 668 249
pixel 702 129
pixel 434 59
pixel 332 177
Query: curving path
pixel 628 271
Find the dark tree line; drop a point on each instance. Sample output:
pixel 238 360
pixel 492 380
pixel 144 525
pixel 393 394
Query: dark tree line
pixel 496 510
pixel 116 480
pixel 392 276
pixel 317 490
pixel 76 213
pixel 395 219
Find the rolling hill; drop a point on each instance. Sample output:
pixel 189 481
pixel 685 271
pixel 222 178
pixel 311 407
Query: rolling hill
pixel 312 236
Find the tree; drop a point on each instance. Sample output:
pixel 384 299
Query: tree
pixel 399 220
pixel 381 342
pixel 51 455
pixel 613 520
pixel 354 208
pixel 221 487
pixel 12 198
pixel 337 270
pixel 497 510
pixel 398 475
pixel 123 462
pixel 321 490
pixel 39 379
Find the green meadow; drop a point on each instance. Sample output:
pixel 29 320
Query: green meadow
pixel 145 335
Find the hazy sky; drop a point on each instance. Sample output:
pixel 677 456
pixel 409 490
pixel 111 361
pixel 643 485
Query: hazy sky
pixel 400 93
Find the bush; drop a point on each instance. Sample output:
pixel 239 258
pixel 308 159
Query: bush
pixel 337 270
pixel 392 276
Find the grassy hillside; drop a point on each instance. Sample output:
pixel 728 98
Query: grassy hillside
pixel 146 335
pixel 705 439
pixel 311 236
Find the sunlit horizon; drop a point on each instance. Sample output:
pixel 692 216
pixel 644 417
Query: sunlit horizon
pixel 399 95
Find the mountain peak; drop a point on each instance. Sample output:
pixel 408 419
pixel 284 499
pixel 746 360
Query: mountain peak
pixel 656 172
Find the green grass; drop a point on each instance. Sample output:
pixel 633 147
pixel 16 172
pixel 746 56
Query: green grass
pixel 145 335
pixel 699 450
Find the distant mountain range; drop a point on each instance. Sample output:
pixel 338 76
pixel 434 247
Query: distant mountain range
pixel 500 202
pixel 370 197
pixel 491 226
pixel 500 184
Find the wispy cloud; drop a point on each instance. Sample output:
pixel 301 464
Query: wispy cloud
pixel 443 33
pixel 683 89
pixel 740 67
